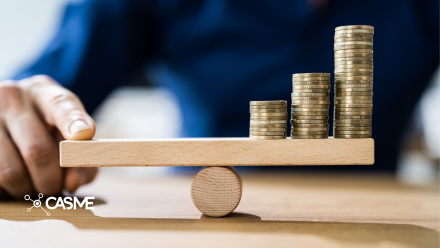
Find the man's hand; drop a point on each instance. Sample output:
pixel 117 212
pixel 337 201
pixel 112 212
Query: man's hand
pixel 35 115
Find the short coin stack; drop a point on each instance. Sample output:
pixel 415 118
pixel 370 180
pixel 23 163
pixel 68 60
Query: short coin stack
pixel 268 120
pixel 353 81
pixel 310 105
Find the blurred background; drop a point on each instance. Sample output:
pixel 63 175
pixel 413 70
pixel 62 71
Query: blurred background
pixel 144 111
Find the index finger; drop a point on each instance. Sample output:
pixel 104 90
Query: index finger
pixel 60 107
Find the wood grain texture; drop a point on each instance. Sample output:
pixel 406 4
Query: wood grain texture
pixel 215 152
pixel 216 191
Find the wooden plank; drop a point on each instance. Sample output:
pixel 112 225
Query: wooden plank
pixel 215 152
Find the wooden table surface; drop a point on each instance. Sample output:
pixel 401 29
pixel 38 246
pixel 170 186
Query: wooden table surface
pixel 276 210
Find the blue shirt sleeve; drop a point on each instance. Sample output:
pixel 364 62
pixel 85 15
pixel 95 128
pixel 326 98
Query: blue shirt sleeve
pixel 99 43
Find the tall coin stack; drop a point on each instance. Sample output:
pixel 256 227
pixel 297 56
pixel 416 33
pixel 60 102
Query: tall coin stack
pixel 268 120
pixel 353 81
pixel 310 105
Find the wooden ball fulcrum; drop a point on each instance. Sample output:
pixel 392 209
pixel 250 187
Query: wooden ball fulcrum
pixel 216 191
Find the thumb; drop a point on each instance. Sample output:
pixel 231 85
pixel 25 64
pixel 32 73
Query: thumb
pixel 60 107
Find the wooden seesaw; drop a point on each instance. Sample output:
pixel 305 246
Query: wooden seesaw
pixel 216 190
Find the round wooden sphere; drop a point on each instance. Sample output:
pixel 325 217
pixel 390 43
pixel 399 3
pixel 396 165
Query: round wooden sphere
pixel 216 191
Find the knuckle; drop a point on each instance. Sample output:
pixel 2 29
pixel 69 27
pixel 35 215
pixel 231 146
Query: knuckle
pixel 10 174
pixel 37 154
pixel 65 103
pixel 41 80
pixel 9 90
pixel 62 98
pixel 11 95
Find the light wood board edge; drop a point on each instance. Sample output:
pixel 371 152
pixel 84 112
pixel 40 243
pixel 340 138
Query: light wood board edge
pixel 215 152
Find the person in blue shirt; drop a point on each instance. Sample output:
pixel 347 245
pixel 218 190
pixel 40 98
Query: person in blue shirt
pixel 216 56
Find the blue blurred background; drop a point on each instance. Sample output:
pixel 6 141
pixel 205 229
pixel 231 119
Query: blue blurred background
pixel 144 108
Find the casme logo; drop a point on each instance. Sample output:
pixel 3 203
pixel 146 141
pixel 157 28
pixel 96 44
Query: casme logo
pixel 60 202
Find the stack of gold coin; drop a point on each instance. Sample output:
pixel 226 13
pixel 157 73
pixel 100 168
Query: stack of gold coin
pixel 268 120
pixel 310 105
pixel 353 81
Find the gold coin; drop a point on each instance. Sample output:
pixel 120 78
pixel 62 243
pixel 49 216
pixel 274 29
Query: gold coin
pixel 354 98
pixel 338 89
pixel 367 39
pixel 326 106
pixel 353 105
pixel 341 136
pixel 352 121
pixel 279 129
pixel 267 122
pixel 281 125
pixel 338 94
pixel 308 129
pixel 279 118
pixel 300 113
pixel 303 102
pixel 338 47
pixel 361 51
pixel 314 74
pixel 340 117
pixel 267 137
pixel 353 67
pixel 310 125
pixel 309 117
pixel 354 27
pixel 268 107
pixel 268 114
pixel 353 62
pixel 370 86
pixel 353 129
pixel 309 137
pixel 354 78
pixel 268 110
pixel 348 125
pixel 343 65
pixel 311 90
pixel 300 83
pixel 347 35
pixel 310 109
pixel 353 113
pixel 339 82
pixel 347 47
pixel 353 55
pixel 327 86
pixel 350 31
pixel 354 102
pixel 267 133
pixel 368 59
pixel 346 92
pixel 353 132
pixel 310 94
pixel 352 109
pixel 352 74
pixel 354 90
pixel 356 42
pixel 345 71
pixel 360 66
pixel 306 79
pixel 277 102
pixel 309 133
pixel 294 122
pixel 300 98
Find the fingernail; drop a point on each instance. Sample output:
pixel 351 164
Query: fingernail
pixel 79 126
